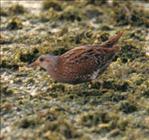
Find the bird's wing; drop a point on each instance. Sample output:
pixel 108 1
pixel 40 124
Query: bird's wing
pixel 85 60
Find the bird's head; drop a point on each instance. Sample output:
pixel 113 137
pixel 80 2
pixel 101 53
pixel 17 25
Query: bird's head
pixel 45 61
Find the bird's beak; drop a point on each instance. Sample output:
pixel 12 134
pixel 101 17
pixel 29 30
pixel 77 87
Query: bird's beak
pixel 34 64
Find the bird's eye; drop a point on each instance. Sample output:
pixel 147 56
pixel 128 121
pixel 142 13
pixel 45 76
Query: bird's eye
pixel 41 59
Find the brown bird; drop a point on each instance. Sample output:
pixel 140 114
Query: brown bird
pixel 81 64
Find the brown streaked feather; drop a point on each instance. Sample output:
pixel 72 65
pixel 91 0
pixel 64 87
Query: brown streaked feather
pixel 82 62
pixel 74 52
pixel 85 62
pixel 112 40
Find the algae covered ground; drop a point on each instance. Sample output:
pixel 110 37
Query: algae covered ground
pixel 113 107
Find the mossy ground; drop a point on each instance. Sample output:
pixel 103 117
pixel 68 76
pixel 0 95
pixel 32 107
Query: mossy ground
pixel 115 106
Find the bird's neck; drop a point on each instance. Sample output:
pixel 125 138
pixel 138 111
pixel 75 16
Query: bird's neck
pixel 52 67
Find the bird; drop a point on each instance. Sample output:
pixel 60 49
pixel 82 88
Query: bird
pixel 80 64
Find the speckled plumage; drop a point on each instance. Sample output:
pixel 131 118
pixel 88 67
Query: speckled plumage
pixel 81 64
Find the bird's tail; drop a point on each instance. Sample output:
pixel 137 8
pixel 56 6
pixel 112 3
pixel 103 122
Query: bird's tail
pixel 112 40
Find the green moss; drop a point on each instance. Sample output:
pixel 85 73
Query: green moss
pixel 60 51
pixel 106 28
pixel 3 12
pixel 92 12
pixel 9 65
pixel 96 2
pixel 63 127
pixel 124 86
pixel 53 136
pixel 130 52
pixel 83 36
pixel 71 14
pixel 17 9
pixel 94 118
pixel 29 56
pixel 137 35
pixel 114 133
pixel 123 123
pixel 4 39
pixel 47 4
pixel 34 106
pixel 6 91
pixel 49 15
pixel 146 93
pixel 14 24
pixel 26 123
pixel 127 107
pixel 127 14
